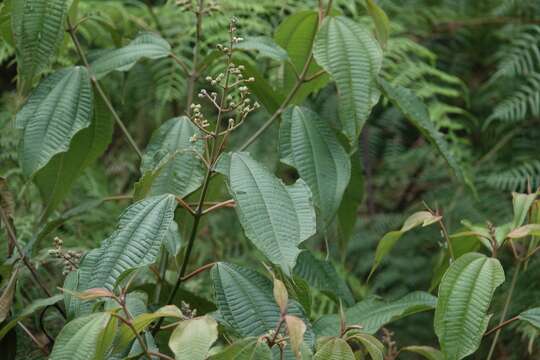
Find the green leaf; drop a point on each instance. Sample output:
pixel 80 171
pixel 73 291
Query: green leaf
pixel 300 291
pixel 250 348
pixel 58 176
pixel 322 275
pixel 350 54
pixel 265 46
pixel 146 45
pixel 137 351
pixel 38 30
pixel 483 234
pixel 464 297
pixel 373 346
pixel 525 230
pixel 192 338
pixel 426 352
pixel 173 239
pixel 28 311
pixel 308 143
pixel 172 158
pixel 334 349
pixel 389 240
pixel 532 316
pixel 80 338
pixel 245 301
pixel 269 97
pixel 417 113
pixel 534 218
pixel 275 217
pixel 352 198
pixel 70 284
pixel 295 34
pixel 135 243
pixel 57 109
pixel 382 25
pixel 6 32
pixel 141 322
pixel 372 314
pixel 460 246
pixel 521 203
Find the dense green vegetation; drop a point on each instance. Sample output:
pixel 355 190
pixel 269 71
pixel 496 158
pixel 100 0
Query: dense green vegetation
pixel 269 179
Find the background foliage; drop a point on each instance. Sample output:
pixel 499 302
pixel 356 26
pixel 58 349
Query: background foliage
pixel 475 64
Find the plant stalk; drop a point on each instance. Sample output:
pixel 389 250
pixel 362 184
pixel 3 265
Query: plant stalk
pixel 302 78
pixel 78 47
pixel 193 74
pixel 199 211
pixel 505 310
pixel 13 239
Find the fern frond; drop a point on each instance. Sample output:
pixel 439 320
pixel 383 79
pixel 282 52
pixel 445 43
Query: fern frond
pixel 520 104
pixel 515 178
pixel 522 55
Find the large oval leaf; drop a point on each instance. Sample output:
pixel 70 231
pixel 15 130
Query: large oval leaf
pixel 135 242
pixel 245 301
pixel 57 177
pixel 60 107
pixel 389 240
pixel 308 143
pixel 295 34
pixel 192 338
pixel 172 158
pixel 265 46
pixel 426 352
pixel 322 275
pixel 334 349
pixel 532 316
pixel 81 339
pixel 347 214
pixel 372 314
pixel 125 334
pixel 250 348
pixel 38 30
pixel 464 297
pixel 146 45
pixel 275 217
pixel 417 113
pixel 348 51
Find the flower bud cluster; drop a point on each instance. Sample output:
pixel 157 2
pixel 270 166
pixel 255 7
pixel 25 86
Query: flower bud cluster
pixel 235 102
pixel 70 258
pixel 187 311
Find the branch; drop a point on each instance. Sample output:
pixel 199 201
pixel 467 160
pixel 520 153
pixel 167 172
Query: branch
pixel 181 63
pixel 505 310
pixel 185 205
pixel 447 238
pixel 302 78
pixel 193 74
pixel 198 271
pixel 229 204
pixel 41 347
pixel 78 47
pixel 129 324
pixel 13 239
pixel 153 15
pixel 501 325
pixel 283 106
